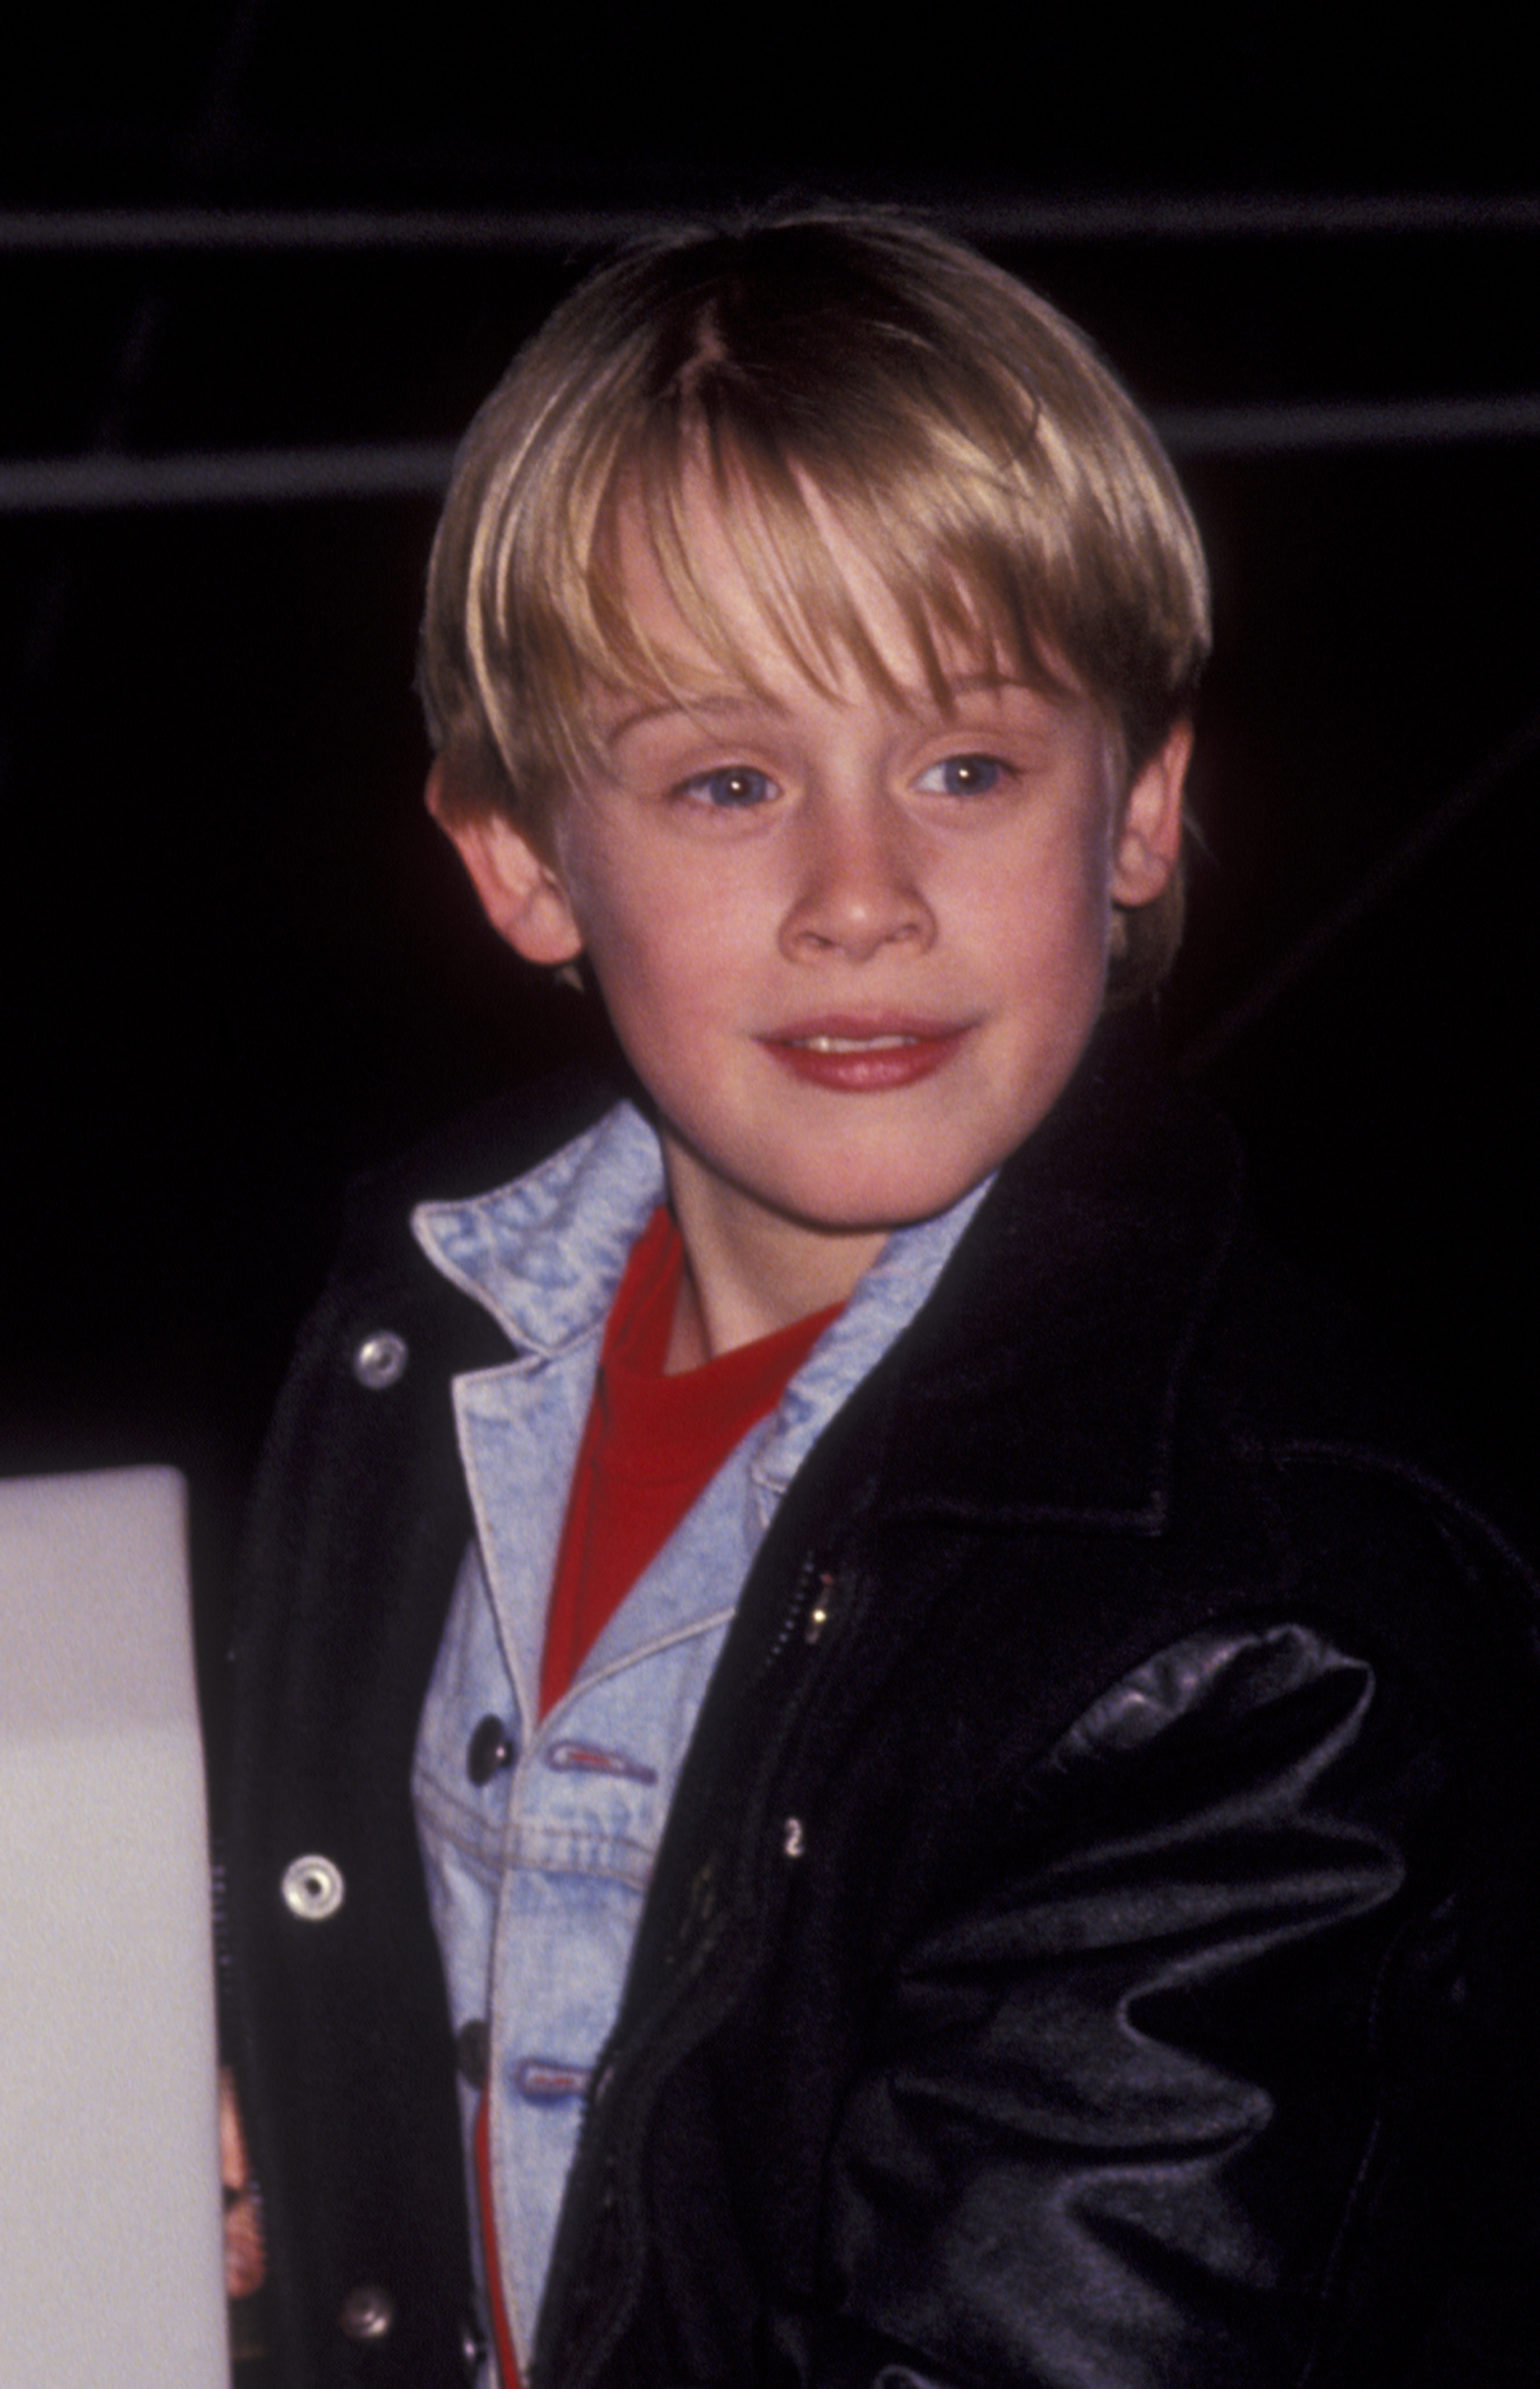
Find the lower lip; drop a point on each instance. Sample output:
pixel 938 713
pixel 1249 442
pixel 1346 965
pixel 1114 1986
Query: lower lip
pixel 868 1069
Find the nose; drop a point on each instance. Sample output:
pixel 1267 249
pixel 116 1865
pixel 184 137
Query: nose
pixel 858 884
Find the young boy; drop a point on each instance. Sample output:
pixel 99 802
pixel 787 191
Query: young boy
pixel 859 1760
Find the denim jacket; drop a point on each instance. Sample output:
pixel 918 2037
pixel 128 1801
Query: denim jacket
pixel 536 1874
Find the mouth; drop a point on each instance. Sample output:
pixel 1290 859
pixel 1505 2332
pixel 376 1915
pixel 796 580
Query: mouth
pixel 865 1057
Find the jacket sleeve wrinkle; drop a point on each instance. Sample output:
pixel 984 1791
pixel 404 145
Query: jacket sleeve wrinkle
pixel 1116 2105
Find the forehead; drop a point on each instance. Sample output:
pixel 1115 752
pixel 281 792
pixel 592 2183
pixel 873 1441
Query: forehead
pixel 719 598
pixel 763 695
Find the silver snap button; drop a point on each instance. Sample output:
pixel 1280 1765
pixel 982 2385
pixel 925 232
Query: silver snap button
pixel 314 1889
pixel 367 2312
pixel 380 1360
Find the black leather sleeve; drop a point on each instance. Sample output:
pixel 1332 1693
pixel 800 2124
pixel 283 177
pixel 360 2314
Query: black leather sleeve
pixel 1128 2116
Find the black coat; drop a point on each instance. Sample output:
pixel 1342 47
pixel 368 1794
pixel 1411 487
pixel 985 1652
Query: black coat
pixel 1091 1940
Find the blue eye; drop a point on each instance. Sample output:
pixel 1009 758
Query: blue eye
pixel 963 775
pixel 735 787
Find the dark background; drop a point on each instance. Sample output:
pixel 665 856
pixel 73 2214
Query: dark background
pixel 238 962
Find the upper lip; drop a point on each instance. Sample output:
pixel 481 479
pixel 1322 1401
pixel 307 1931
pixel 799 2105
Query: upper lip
pixel 863 1027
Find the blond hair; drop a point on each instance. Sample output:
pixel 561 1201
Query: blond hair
pixel 1007 492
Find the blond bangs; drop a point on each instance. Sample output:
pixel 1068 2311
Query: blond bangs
pixel 964 563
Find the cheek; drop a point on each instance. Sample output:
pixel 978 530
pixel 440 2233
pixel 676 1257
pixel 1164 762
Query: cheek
pixel 667 933
pixel 656 969
pixel 610 910
pixel 1057 923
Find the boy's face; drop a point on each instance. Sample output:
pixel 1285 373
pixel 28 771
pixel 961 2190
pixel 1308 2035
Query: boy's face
pixel 854 948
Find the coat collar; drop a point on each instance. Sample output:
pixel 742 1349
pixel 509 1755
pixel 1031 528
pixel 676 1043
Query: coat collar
pixel 1040 1383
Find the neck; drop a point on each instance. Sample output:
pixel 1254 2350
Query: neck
pixel 748 1272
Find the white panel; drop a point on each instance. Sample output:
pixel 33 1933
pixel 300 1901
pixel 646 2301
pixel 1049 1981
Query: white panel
pixel 109 2202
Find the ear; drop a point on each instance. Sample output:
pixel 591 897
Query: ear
pixel 1148 837
pixel 520 894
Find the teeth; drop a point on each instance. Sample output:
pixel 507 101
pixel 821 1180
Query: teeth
pixel 852 1045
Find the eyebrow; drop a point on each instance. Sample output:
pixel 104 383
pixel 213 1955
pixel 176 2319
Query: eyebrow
pixel 730 701
pixel 733 701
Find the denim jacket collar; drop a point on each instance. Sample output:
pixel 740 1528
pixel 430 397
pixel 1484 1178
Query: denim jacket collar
pixel 546 1254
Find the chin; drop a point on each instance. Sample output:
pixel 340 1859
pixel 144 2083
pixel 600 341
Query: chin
pixel 876 1207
